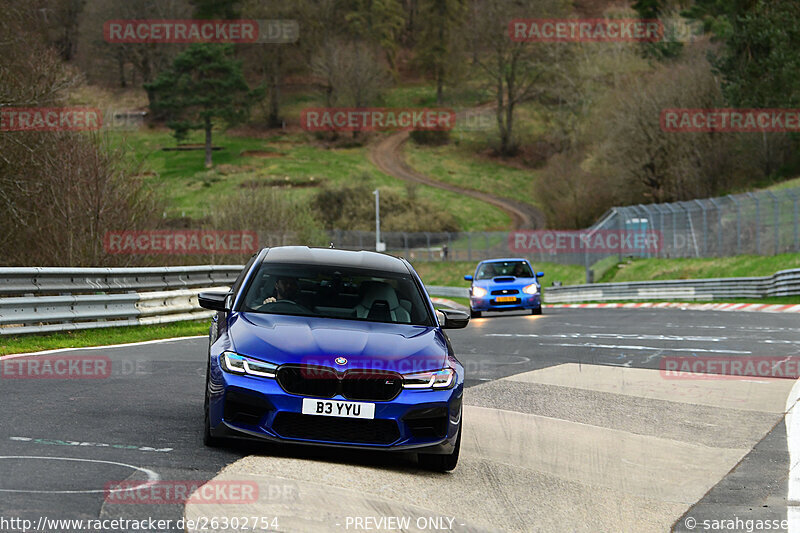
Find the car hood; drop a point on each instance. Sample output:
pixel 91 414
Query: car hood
pixel 283 339
pixel 505 282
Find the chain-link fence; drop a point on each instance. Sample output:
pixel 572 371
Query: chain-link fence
pixel 763 223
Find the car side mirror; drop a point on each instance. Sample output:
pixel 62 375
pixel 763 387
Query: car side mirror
pixel 453 319
pixel 540 274
pixel 216 301
pixel 468 278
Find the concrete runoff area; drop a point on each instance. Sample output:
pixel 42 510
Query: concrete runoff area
pixel 522 471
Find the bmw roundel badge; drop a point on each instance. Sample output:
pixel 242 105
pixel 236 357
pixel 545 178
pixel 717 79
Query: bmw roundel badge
pixel 340 361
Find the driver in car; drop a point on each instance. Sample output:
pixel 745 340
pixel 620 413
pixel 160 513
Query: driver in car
pixel 285 289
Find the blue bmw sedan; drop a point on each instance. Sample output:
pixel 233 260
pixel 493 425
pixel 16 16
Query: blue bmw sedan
pixel 337 348
pixel 504 285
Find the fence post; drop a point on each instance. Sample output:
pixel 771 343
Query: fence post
pixel 758 222
pixel 672 212
pixel 705 228
pixel 469 246
pixel 718 207
pixel 791 193
pixel 775 221
pixel 428 245
pixel 738 224
pixel 405 243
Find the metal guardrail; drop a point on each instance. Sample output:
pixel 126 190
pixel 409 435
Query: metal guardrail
pixel 783 283
pixel 40 281
pixel 42 300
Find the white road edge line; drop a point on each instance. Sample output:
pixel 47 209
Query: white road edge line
pixel 59 350
pixel 793 443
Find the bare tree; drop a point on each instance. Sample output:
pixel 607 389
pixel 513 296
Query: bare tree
pixel 515 71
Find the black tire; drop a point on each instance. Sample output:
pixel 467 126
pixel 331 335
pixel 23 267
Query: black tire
pixel 208 439
pixel 536 311
pixel 474 314
pixel 438 462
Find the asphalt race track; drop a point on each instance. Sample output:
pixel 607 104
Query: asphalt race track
pixel 569 426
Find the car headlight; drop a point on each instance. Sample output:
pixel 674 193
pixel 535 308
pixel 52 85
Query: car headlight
pixel 478 292
pixel 531 289
pixel 239 364
pixel 437 379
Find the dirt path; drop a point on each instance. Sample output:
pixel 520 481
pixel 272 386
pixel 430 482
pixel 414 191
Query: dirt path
pixel 388 155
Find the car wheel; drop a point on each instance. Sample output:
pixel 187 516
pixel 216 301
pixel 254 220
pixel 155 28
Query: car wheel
pixel 208 439
pixel 536 311
pixel 441 463
pixel 474 314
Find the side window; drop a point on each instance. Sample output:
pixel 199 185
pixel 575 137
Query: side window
pixel 239 280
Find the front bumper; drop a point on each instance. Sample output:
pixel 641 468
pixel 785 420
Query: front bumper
pixel 490 303
pixel 250 407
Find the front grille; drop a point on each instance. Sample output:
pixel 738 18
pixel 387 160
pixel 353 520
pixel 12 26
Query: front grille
pixel 369 385
pixel 308 380
pixel 334 429
pixel 504 292
pixel 243 408
pixel 322 382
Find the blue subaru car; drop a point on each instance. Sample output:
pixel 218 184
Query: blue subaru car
pixel 337 348
pixel 504 285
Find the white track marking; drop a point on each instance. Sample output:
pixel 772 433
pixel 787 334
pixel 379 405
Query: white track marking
pixel 793 443
pixel 645 348
pixel 142 343
pixel 152 477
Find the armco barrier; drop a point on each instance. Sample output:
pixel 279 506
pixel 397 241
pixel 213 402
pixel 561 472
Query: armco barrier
pixel 39 300
pixel 783 283
pixel 43 300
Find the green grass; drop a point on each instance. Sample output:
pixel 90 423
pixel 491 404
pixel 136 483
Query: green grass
pixel 788 184
pixel 451 273
pixel 189 188
pixel 715 267
pixel 461 166
pixel 100 337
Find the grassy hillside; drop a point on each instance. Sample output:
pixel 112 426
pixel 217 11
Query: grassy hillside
pixel 292 162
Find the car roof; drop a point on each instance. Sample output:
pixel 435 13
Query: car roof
pixel 304 255
pixel 506 259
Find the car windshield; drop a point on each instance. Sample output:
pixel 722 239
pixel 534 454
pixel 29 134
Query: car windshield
pixel 518 269
pixel 336 292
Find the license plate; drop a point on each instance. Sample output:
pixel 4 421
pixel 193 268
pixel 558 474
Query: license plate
pixel 506 298
pixel 337 408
